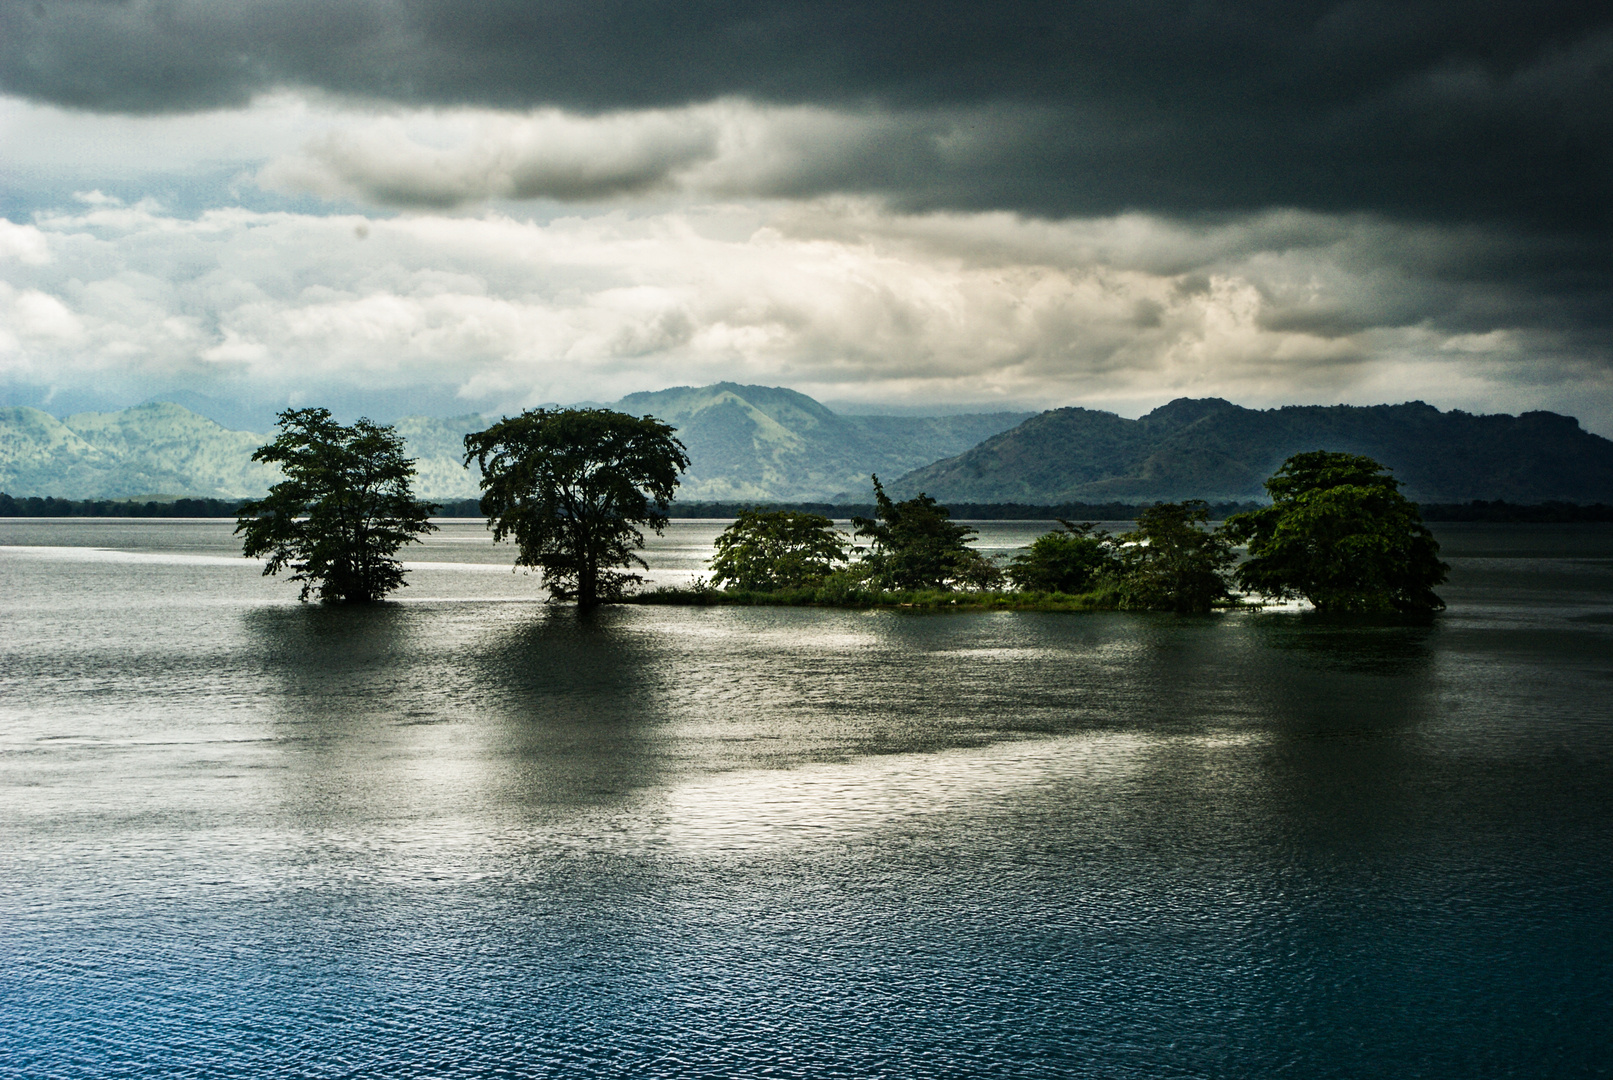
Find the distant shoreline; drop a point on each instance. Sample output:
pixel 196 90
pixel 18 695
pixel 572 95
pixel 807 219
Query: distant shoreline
pixel 1497 511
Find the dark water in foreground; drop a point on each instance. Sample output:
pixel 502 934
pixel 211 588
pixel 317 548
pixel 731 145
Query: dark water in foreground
pixel 467 835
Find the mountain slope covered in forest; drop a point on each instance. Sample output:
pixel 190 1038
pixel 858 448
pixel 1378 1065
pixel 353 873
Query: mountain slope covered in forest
pixel 1212 449
pixel 770 443
pixel 153 449
pixel 745 443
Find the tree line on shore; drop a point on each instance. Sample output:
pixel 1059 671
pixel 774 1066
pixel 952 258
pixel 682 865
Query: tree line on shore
pixel 1338 534
pixel 1496 511
pixel 574 489
pixel 50 506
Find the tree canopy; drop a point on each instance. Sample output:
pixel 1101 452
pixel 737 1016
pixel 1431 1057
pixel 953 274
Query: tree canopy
pixel 1172 562
pixel 344 509
pixel 1340 534
pixel 1070 560
pixel 916 545
pixel 572 487
pixel 767 550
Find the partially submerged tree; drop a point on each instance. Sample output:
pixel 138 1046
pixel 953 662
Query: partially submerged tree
pixel 572 487
pixel 1071 560
pixel 1339 534
pixel 1172 562
pixel 344 509
pixel 767 550
pixel 916 545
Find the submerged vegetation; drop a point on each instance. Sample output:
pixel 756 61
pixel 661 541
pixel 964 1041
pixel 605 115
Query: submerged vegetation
pixel 573 487
pixel 1338 534
pixel 344 509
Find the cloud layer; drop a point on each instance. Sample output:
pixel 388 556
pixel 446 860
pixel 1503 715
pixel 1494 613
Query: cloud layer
pixel 840 299
pixel 1477 111
pixel 1039 203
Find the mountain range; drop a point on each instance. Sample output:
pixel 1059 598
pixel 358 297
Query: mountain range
pixel 1212 449
pixel 745 443
pixel 769 444
pixel 154 449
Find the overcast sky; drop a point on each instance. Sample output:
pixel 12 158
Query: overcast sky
pixel 421 206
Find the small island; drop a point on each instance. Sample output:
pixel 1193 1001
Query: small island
pixel 572 487
pixel 1338 534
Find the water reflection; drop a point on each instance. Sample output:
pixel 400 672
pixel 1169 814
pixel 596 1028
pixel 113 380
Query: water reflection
pixel 327 646
pixel 572 710
pixel 1367 644
pixel 350 685
pixel 488 836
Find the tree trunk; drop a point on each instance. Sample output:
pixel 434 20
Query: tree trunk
pixel 587 585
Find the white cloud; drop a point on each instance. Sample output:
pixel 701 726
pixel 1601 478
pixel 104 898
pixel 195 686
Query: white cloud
pixel 30 315
pixel 838 299
pixel 24 243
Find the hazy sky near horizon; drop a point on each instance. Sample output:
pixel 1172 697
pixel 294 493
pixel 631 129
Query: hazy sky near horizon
pixel 413 205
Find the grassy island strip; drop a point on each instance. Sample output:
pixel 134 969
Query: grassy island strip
pixel 1338 534
pixel 831 597
pixel 1108 599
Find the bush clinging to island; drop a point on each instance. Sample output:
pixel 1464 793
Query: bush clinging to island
pixel 1070 561
pixel 768 550
pixel 1173 561
pixel 1338 534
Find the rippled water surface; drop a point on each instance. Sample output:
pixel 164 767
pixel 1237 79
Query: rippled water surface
pixel 469 834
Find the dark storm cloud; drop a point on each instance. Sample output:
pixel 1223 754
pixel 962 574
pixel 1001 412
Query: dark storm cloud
pixel 1497 112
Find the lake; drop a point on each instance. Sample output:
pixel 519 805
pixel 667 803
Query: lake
pixel 471 834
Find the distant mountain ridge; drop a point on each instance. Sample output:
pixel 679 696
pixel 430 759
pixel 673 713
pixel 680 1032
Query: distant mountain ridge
pixel 1212 449
pixel 747 443
pixel 769 443
pixel 154 449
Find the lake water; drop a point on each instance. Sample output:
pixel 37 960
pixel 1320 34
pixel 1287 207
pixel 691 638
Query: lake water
pixel 469 834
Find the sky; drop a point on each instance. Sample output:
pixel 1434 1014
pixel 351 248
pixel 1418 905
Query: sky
pixel 424 206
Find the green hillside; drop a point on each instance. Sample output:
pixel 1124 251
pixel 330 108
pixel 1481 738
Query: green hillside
pixel 40 455
pixel 151 449
pixel 770 443
pixel 165 449
pixel 746 443
pixel 162 447
pixel 764 444
pixel 438 447
pixel 1212 449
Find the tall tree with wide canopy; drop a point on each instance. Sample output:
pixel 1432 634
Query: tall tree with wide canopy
pixel 344 509
pixel 572 487
pixel 1340 534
